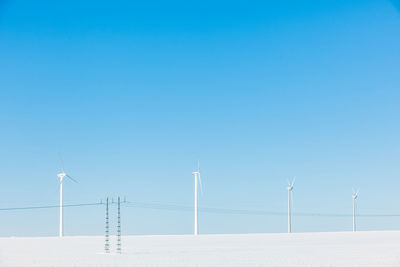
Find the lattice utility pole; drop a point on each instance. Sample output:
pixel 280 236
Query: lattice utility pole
pixel 107 241
pixel 119 227
pixel 107 236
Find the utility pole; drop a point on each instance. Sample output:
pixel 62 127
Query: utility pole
pixel 119 227
pixel 107 241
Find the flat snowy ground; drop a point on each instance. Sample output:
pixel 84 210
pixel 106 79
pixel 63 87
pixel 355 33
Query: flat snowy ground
pixel 297 249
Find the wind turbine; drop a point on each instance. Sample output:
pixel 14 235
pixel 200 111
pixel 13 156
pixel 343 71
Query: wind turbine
pixel 290 201
pixel 197 180
pixel 62 175
pixel 354 196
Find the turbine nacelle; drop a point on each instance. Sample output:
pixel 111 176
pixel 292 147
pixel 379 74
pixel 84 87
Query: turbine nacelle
pixel 355 193
pixel 61 175
pixel 291 184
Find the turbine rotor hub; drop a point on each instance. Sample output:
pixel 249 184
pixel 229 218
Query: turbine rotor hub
pixel 61 175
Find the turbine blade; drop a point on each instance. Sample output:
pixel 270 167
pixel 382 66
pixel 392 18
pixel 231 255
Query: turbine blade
pixel 358 190
pixel 62 163
pixel 201 184
pixel 355 207
pixel 71 178
pixel 354 191
pixel 291 200
pixel 198 165
pixel 294 179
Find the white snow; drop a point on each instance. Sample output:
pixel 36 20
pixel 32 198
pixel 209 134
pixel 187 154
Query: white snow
pixel 275 250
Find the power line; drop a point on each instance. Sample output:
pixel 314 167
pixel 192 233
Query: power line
pixel 174 207
pixel 51 206
pixel 183 208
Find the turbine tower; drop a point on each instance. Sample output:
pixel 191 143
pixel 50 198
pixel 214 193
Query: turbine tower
pixel 197 180
pixel 354 196
pixel 62 175
pixel 290 201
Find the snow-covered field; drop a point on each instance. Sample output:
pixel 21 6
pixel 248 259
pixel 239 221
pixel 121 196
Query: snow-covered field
pixel 297 249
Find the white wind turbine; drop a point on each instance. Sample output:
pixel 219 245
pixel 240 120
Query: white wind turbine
pixel 354 196
pixel 290 201
pixel 62 175
pixel 197 180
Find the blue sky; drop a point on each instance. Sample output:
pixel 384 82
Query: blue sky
pixel 133 94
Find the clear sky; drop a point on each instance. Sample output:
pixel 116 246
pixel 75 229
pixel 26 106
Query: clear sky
pixel 132 94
